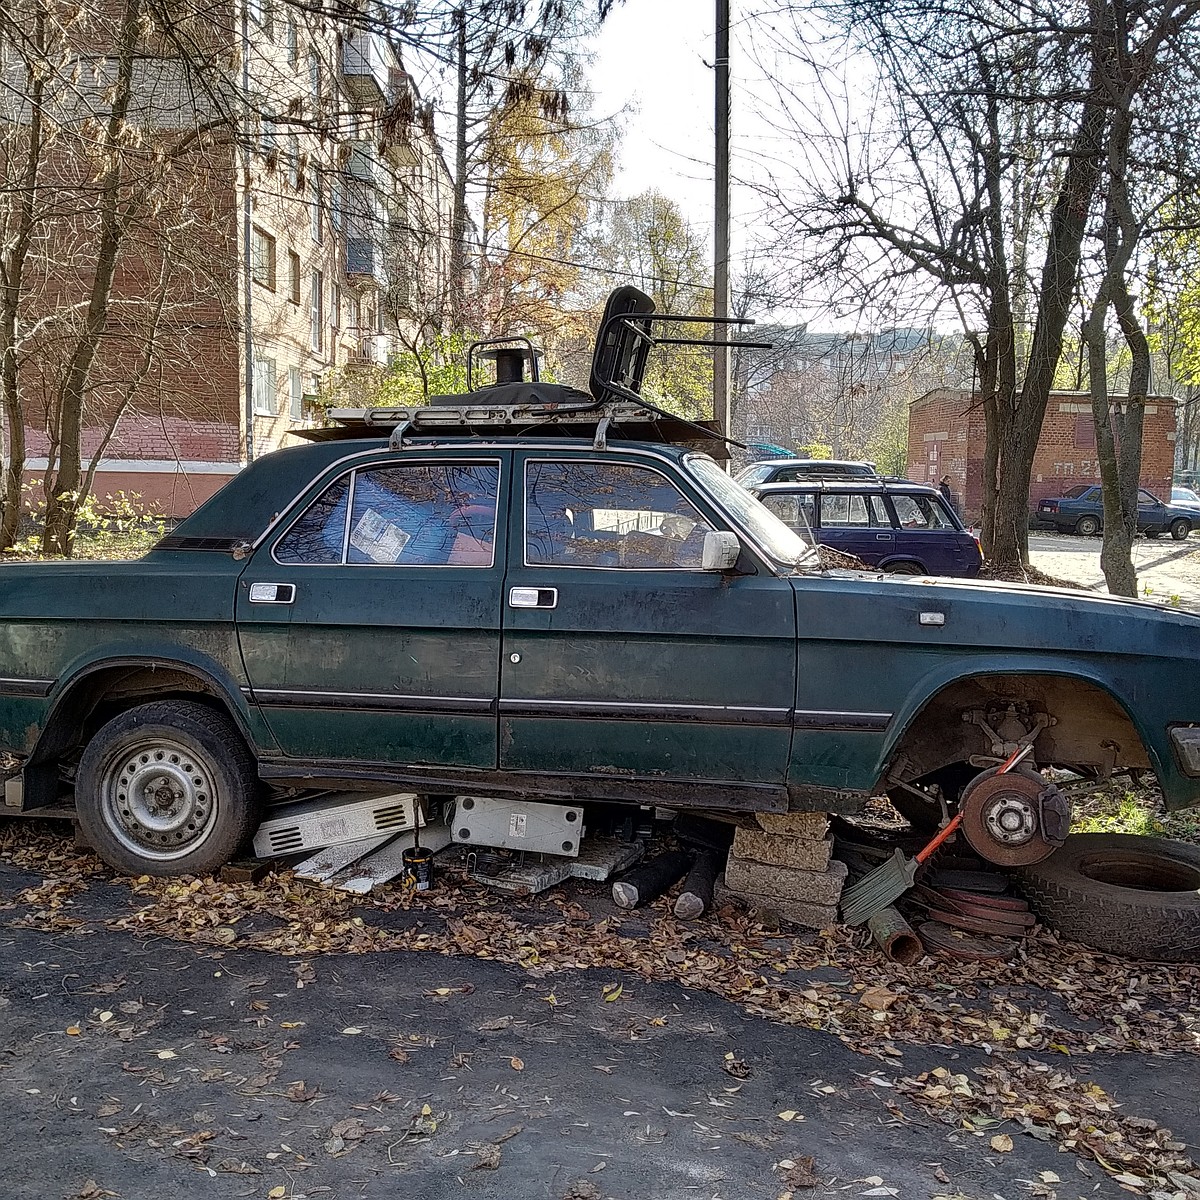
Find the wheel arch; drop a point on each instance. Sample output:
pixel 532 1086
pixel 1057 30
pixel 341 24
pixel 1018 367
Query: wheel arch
pixel 103 687
pixel 894 560
pixel 1092 721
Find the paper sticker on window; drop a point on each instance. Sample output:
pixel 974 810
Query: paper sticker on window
pixel 378 538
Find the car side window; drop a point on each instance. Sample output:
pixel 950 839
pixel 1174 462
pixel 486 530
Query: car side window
pixel 921 512
pixel 414 514
pixel 616 515
pixel 797 512
pixel 853 511
pixel 318 536
pixel 1145 497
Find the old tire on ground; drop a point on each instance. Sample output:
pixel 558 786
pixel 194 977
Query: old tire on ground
pixel 167 788
pixel 1137 897
pixel 1181 527
pixel 1087 526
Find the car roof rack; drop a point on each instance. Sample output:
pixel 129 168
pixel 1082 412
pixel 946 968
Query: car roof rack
pixel 531 408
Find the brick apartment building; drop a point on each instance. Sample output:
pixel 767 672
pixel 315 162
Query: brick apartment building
pixel 312 231
pixel 946 437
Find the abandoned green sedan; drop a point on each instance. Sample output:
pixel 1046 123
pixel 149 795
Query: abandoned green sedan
pixel 490 604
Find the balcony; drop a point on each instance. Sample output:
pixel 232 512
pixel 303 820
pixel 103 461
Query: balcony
pixel 365 64
pixel 364 261
pixel 364 165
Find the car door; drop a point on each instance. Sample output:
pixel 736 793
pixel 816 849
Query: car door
pixel 370 625
pixel 928 533
pixel 857 523
pixel 1152 512
pixel 621 656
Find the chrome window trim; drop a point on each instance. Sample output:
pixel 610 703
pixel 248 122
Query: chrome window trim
pixel 441 459
pixel 555 566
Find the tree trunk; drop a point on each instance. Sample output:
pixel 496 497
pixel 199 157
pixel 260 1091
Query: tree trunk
pixel 13 275
pixel 64 494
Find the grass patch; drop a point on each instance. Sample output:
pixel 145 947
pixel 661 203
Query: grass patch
pixel 1137 811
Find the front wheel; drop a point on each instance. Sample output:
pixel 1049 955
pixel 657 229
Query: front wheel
pixel 167 788
pixel 1088 526
pixel 1180 528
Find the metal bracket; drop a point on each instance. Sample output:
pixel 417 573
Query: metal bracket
pixel 396 441
pixel 600 441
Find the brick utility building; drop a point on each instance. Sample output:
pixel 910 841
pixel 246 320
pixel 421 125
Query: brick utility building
pixel 308 235
pixel 946 437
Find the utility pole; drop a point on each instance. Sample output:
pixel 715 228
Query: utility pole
pixel 721 221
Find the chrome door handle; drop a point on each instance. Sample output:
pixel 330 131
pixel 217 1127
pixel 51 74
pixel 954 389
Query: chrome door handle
pixel 883 537
pixel 272 593
pixel 532 597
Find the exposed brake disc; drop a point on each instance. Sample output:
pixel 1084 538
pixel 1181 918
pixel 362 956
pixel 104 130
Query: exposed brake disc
pixel 1014 819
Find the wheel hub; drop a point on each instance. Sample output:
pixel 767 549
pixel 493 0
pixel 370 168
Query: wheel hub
pixel 1014 819
pixel 159 799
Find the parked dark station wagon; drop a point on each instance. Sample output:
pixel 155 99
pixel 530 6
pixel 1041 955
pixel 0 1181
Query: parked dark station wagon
pixel 902 527
pixel 537 592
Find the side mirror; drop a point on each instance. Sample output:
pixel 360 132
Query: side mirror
pixel 721 551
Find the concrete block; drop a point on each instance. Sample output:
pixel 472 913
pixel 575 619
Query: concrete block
pixel 769 912
pixel 802 854
pixel 797 825
pixel 783 883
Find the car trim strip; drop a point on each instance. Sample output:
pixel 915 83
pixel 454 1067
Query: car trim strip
pixel 620 710
pixel 380 701
pixel 26 687
pixel 805 718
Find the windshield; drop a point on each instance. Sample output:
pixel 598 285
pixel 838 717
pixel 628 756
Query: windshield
pixel 764 527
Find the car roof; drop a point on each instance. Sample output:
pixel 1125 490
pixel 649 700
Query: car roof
pixel 813 462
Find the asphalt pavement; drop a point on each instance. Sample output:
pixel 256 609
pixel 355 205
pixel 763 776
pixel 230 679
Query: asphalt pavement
pixel 135 1065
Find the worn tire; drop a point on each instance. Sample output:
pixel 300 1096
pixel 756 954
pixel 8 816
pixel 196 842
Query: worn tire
pixel 1180 528
pixel 1136 897
pixel 905 567
pixel 1087 526
pixel 167 788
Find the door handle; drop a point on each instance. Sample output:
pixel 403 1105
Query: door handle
pixel 883 537
pixel 532 597
pixel 272 593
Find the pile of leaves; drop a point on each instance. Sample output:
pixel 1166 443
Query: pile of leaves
pixel 1054 1105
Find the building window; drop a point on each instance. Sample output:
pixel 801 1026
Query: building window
pixel 317 204
pixel 1085 432
pixel 295 394
pixel 293 153
pixel 294 276
pixel 264 386
pixel 293 43
pixel 262 258
pixel 318 311
pixel 266 136
pixel 335 306
pixel 352 317
pixel 314 77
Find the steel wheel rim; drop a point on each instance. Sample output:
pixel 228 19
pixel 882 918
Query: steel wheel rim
pixel 159 799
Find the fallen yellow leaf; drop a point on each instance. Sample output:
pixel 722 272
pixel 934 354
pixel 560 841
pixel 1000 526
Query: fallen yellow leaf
pixel 516 1064
pixel 165 1054
pixel 1001 1143
pixel 73 1031
pixel 276 1193
pixel 614 993
pixel 290 1024
pixel 790 1114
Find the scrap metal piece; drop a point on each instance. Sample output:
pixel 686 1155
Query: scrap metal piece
pixel 941 938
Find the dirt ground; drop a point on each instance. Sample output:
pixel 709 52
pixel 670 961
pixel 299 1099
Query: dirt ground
pixel 1168 571
pixel 199 1038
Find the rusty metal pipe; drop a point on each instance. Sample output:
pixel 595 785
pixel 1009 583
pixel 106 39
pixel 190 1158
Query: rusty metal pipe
pixel 896 937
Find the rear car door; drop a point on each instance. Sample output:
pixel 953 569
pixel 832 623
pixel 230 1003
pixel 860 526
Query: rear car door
pixel 370 624
pixel 1152 512
pixel 621 656
pixel 857 523
pixel 930 534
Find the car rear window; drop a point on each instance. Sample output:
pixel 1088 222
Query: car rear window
pixel 921 512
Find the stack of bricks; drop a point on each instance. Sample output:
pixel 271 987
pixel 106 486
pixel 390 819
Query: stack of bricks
pixel 784 866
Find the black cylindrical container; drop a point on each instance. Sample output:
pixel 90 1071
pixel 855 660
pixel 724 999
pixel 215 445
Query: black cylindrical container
pixel 418 867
